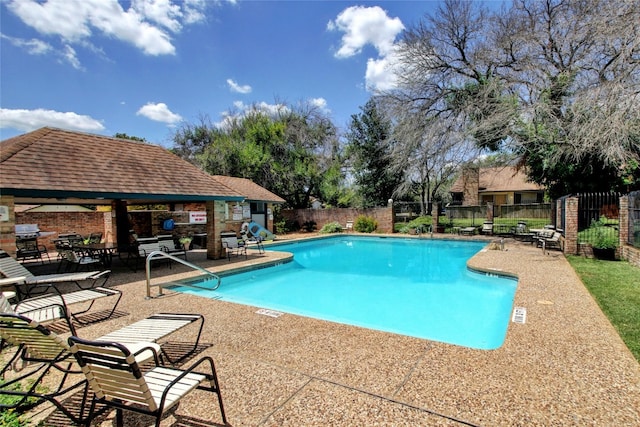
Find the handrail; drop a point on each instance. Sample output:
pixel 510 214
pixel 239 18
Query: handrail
pixel 161 254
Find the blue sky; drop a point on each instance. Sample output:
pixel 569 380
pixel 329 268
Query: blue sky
pixel 143 67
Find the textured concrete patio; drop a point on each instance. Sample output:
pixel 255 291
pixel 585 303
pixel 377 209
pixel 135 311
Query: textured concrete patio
pixel 566 366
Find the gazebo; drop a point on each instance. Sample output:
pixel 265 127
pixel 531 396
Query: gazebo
pixel 56 166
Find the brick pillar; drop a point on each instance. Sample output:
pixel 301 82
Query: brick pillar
pixel 623 222
pixel 215 226
pixel 571 226
pixel 269 219
pixel 435 219
pixel 471 185
pixel 8 228
pixel 392 216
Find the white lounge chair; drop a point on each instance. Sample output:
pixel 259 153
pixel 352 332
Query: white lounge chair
pixel 116 379
pixel 51 307
pixel 38 344
pixel 11 268
pixel 487 228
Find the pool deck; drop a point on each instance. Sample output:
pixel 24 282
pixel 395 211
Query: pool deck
pixel 565 366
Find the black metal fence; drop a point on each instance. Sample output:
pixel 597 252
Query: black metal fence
pixel 634 219
pixel 598 209
pixel 475 214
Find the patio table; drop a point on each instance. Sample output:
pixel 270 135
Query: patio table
pixel 104 251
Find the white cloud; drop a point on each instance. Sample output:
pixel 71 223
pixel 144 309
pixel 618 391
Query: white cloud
pixel 162 12
pixel 39 47
pixel 320 103
pixel 28 120
pixel 235 87
pixel 159 112
pixel 365 25
pixel 69 54
pixel 381 73
pixel 369 26
pixel 146 24
pixel 33 46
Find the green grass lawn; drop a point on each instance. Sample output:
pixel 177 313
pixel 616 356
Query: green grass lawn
pixel 615 285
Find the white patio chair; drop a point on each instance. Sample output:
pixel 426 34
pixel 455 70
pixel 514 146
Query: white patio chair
pixel 115 377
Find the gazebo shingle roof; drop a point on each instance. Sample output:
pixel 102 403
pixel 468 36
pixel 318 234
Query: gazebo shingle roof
pixel 53 162
pixel 251 190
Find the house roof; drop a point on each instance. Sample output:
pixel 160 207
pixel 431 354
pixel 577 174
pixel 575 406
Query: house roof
pixel 251 190
pixel 49 165
pixel 499 179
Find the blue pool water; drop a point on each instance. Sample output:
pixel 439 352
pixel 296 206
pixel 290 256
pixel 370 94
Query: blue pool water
pixel 414 287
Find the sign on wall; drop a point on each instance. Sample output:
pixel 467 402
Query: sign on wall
pixel 237 213
pixel 4 213
pixel 198 217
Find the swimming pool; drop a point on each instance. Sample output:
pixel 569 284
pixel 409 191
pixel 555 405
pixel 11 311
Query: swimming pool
pixel 415 287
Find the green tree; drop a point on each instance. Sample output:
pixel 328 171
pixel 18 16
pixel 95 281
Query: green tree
pixel 289 152
pixel 131 137
pixel 369 150
pixel 555 82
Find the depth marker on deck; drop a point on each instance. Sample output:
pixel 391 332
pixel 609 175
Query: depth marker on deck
pixel 519 315
pixel 270 313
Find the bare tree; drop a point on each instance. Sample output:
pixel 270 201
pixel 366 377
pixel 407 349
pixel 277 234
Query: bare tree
pixel 576 69
pixel 428 153
pixel 556 81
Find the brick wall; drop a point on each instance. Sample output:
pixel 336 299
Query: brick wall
pixel 384 216
pixel 83 223
pixel 7 228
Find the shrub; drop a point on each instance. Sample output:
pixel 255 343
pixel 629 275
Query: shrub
pixel 281 226
pixel 605 237
pixel 365 224
pixel 331 227
pixel 309 226
pixel 423 223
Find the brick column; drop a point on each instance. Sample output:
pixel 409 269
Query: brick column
pixel 215 226
pixel 435 218
pixel 571 226
pixel 392 216
pixel 8 228
pixel 623 222
pixel 269 219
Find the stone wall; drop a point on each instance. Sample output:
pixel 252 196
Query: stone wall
pixel 384 216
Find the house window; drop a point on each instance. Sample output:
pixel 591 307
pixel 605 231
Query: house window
pixel 258 207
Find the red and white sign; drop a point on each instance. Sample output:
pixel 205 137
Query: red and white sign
pixel 198 217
